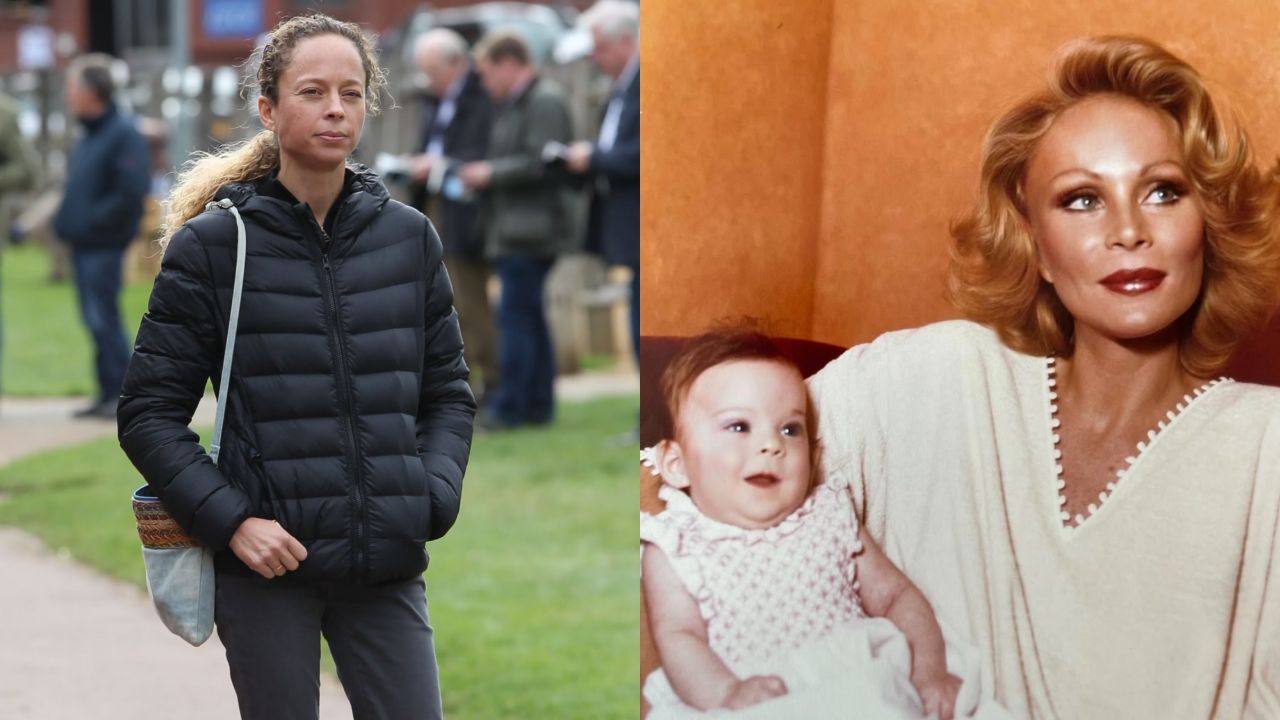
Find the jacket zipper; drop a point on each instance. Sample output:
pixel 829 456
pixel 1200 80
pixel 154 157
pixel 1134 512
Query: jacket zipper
pixel 360 534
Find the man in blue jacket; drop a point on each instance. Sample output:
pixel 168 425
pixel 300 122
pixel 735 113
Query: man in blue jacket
pixel 108 176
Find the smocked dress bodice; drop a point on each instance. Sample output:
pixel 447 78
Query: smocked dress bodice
pixel 769 590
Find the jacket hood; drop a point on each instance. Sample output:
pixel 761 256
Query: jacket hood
pixel 365 197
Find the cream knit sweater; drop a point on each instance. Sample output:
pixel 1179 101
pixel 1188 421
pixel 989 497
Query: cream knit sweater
pixel 1164 604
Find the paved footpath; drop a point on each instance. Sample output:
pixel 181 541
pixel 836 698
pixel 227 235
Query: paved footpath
pixel 76 644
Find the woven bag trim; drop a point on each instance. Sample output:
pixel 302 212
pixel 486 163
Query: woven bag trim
pixel 157 529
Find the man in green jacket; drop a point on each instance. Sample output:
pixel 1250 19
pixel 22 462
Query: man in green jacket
pixel 19 167
pixel 526 212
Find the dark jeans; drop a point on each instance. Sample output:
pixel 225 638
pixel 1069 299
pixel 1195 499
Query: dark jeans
pixel 379 636
pixel 526 360
pixel 98 275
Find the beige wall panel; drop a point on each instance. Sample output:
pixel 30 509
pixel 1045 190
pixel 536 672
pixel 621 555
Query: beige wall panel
pixel 733 102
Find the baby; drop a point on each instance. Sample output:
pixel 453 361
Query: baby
pixel 765 595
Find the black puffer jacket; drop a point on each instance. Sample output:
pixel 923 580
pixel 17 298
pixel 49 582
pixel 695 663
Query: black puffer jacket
pixel 349 418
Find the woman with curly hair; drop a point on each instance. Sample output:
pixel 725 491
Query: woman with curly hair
pixel 348 415
pixel 1062 473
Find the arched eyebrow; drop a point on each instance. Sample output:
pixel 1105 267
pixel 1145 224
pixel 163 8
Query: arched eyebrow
pixel 1141 171
pixel 317 80
pixel 1152 166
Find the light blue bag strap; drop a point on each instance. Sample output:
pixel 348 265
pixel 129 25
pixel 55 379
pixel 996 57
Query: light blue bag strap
pixel 215 445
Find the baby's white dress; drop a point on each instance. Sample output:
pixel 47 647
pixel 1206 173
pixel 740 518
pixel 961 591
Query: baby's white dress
pixel 783 601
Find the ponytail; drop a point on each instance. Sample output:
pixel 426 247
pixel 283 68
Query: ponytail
pixel 198 184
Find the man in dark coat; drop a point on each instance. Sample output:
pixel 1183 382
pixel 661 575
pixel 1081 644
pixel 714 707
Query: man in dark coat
pixel 612 163
pixel 457 119
pixel 108 176
pixel 527 217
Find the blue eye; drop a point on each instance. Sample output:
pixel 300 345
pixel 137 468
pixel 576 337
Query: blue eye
pixel 1165 194
pixel 1081 201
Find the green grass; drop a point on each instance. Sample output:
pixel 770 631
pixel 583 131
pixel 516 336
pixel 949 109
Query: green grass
pixel 596 362
pixel 533 594
pixel 47 350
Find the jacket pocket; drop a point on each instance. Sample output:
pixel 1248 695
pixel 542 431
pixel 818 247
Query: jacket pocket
pixel 263 493
pixel 422 519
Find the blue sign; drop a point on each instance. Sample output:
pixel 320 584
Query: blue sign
pixel 232 18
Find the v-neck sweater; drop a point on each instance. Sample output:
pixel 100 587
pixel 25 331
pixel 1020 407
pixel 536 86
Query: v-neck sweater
pixel 1165 603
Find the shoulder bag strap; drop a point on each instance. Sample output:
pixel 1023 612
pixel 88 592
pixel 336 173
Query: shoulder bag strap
pixel 215 445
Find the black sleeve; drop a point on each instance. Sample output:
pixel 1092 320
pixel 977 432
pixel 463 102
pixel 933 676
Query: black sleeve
pixel 174 355
pixel 446 407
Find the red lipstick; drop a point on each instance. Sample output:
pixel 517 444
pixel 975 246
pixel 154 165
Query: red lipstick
pixel 1133 282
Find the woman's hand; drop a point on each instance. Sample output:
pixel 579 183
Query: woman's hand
pixel 753 690
pixel 938 692
pixel 267 548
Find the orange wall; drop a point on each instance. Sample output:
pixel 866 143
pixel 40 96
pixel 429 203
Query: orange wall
pixel 907 93
pixel 733 104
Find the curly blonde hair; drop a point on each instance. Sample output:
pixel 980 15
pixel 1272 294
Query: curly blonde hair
pixel 259 155
pixel 994 275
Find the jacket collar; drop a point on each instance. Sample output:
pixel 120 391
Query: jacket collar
pixel 364 196
pixel 521 93
pixel 628 75
pixel 94 124
pixel 473 84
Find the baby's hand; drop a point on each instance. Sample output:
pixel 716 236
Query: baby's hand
pixel 756 689
pixel 938 692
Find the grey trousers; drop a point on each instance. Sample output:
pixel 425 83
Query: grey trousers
pixel 380 639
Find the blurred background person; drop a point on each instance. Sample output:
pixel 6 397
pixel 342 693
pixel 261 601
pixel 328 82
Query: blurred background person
pixel 457 119
pixel 19 167
pixel 527 218
pixel 108 177
pixel 612 162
